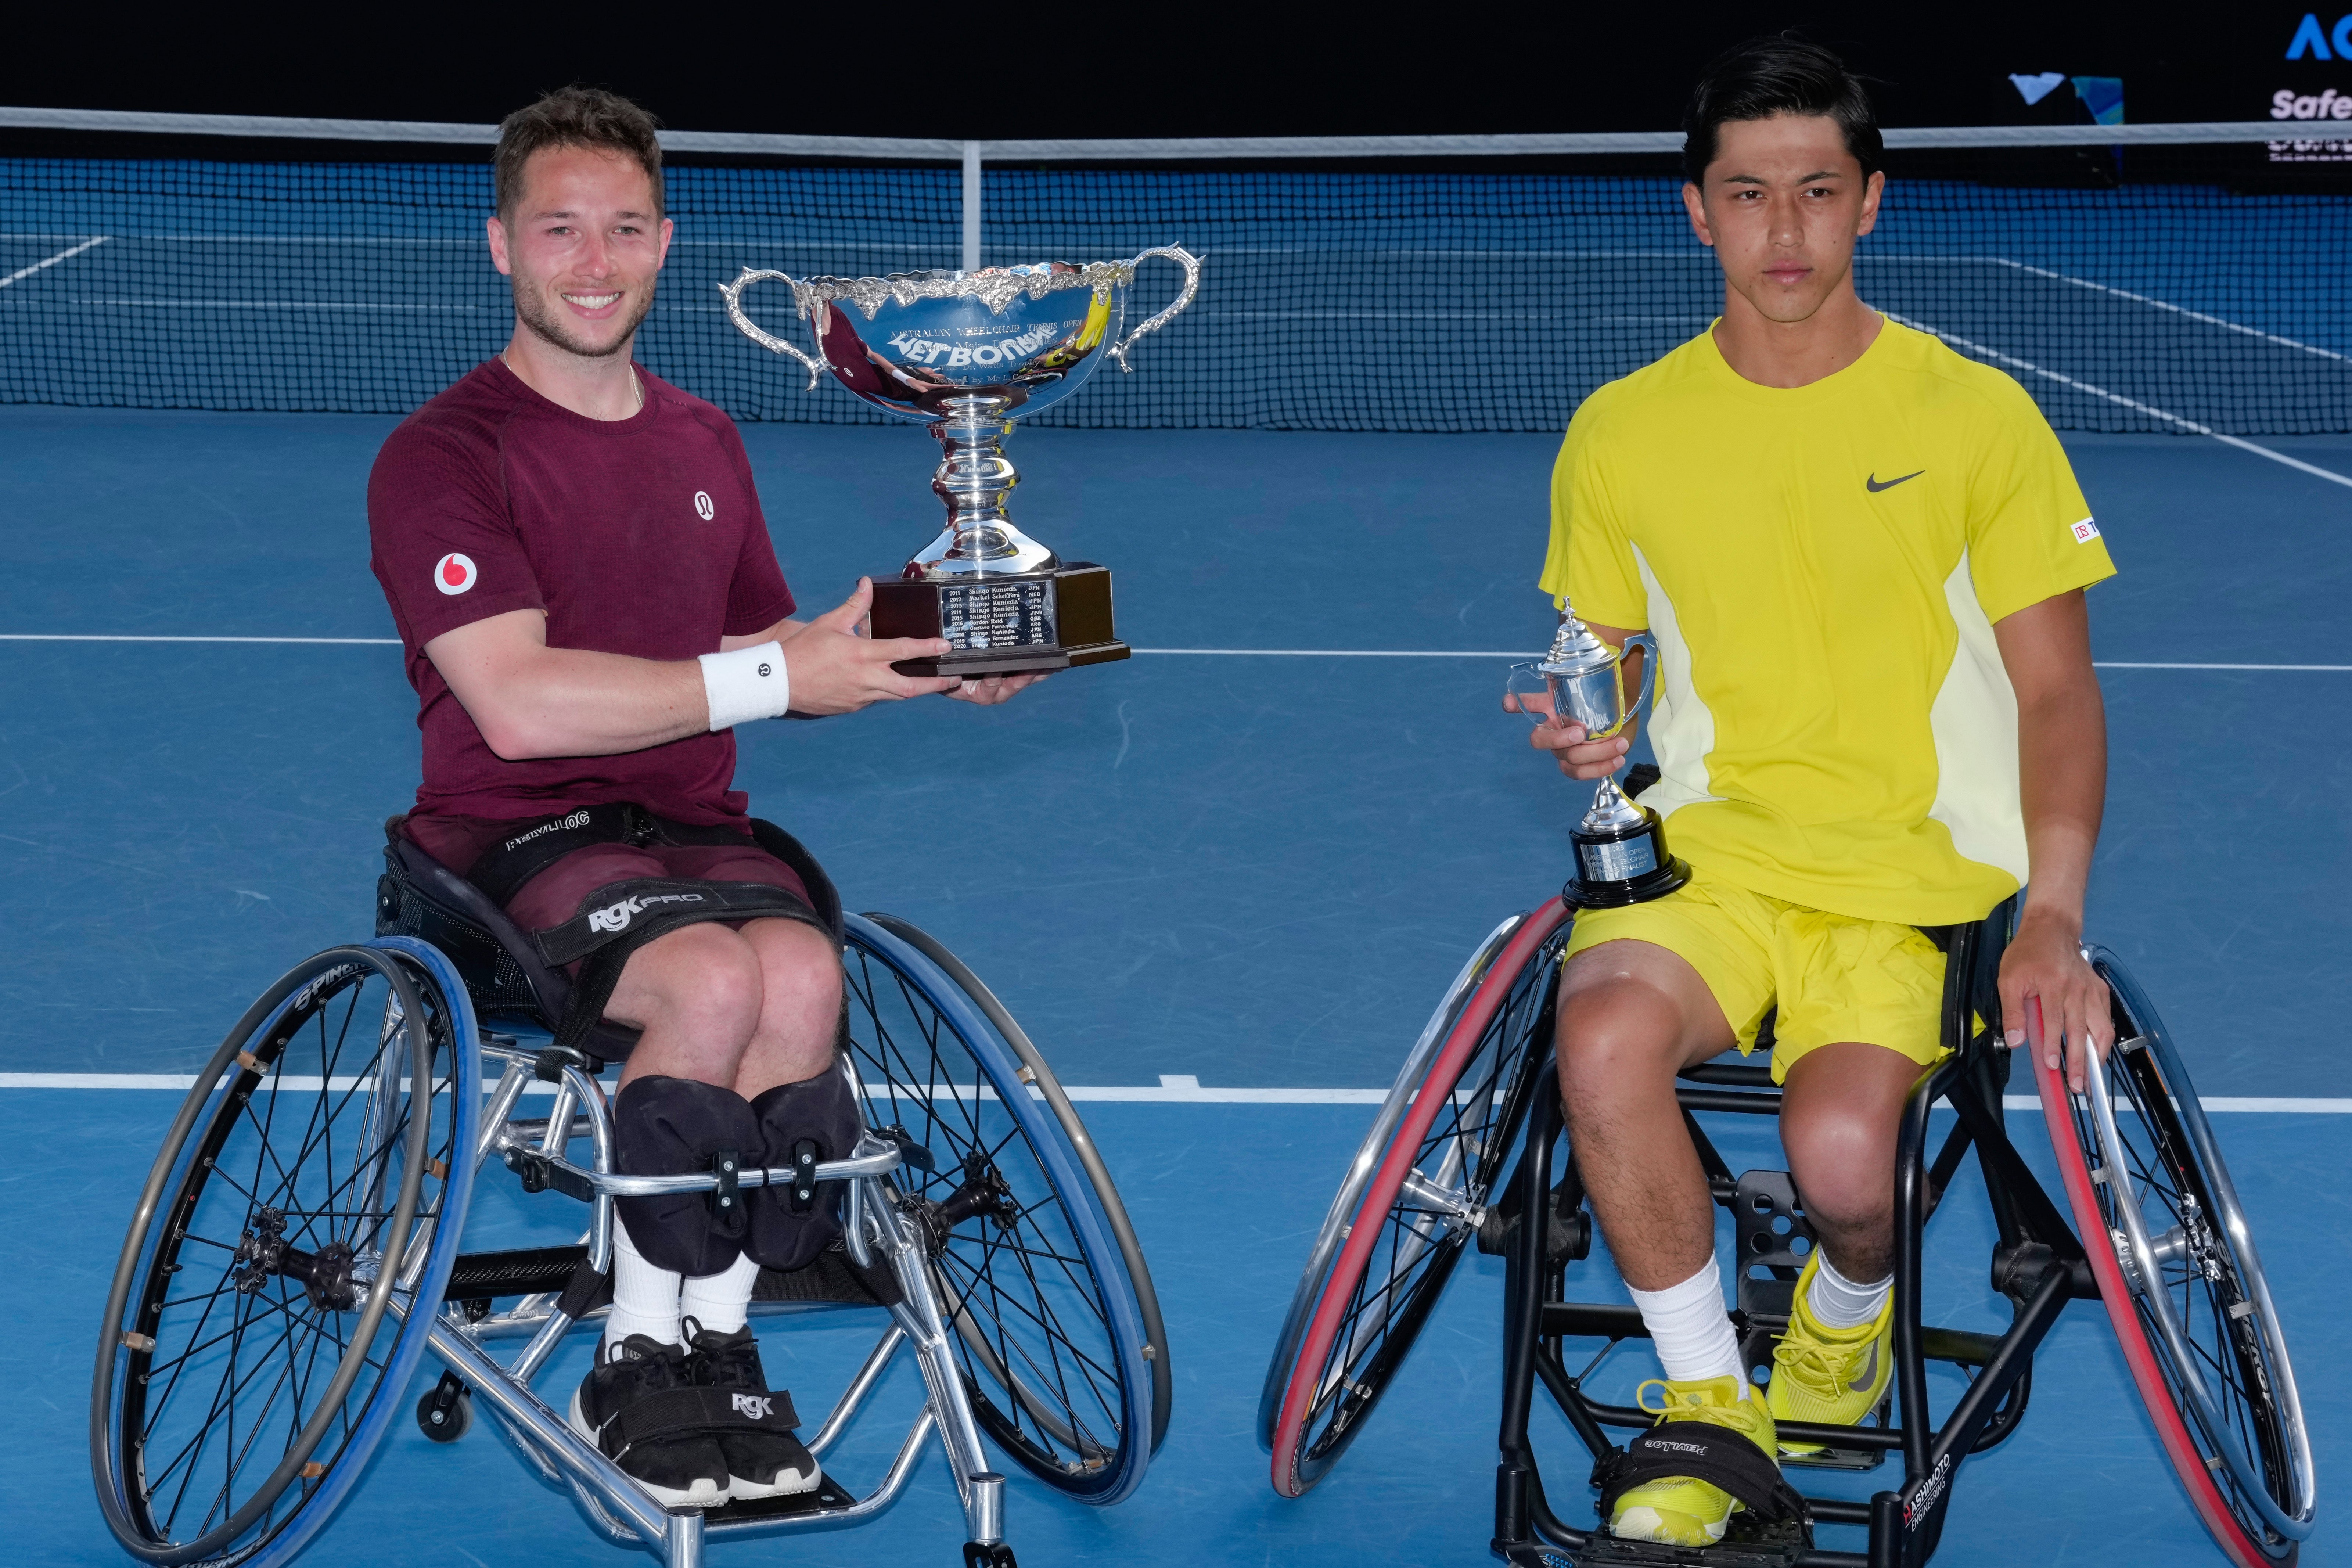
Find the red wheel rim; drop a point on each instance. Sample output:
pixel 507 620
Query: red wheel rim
pixel 2139 1355
pixel 1388 1180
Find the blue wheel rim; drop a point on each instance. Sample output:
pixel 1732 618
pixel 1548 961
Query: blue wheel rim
pixel 1121 1313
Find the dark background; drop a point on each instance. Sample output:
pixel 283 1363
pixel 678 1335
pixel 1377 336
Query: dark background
pixel 1022 67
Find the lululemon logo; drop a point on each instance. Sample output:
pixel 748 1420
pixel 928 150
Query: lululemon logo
pixel 753 1408
pixel 702 507
pixel 454 574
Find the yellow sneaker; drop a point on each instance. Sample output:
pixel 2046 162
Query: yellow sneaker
pixel 1682 1511
pixel 1832 1377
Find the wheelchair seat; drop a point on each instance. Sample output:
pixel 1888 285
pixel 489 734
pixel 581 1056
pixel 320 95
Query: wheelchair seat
pixel 418 895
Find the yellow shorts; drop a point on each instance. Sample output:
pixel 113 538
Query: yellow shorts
pixel 1834 978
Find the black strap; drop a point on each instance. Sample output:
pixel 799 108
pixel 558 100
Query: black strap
pixel 532 846
pixel 1698 1450
pixel 674 1413
pixel 501 870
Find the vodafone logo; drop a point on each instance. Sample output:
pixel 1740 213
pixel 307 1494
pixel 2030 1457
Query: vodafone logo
pixel 702 507
pixel 454 574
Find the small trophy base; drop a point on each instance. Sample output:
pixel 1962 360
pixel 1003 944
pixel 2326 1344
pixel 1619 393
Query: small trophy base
pixel 1007 625
pixel 1616 867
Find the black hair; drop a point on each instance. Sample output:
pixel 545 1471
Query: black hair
pixel 575 117
pixel 1778 74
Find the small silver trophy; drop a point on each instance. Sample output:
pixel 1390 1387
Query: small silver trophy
pixel 968 353
pixel 1620 846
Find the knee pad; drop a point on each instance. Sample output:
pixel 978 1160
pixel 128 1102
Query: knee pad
pixel 672 1127
pixel 788 1232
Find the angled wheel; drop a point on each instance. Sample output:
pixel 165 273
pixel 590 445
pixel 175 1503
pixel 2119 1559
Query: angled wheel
pixel 257 1341
pixel 1059 1337
pixel 2182 1281
pixel 1413 1198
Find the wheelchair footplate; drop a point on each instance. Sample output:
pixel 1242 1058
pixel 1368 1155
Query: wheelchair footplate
pixel 1746 1544
pixel 824 1494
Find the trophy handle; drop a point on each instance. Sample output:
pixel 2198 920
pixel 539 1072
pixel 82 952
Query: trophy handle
pixel 733 294
pixel 1642 640
pixel 1192 265
pixel 1525 684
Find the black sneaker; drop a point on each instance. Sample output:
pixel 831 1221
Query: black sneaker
pixel 639 1405
pixel 763 1458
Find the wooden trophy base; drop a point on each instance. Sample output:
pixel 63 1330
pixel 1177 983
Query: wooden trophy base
pixel 1002 625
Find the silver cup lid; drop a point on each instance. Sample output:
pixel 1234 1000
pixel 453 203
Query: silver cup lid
pixel 1574 649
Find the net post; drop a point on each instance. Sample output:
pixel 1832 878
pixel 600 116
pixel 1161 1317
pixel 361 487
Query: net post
pixel 972 207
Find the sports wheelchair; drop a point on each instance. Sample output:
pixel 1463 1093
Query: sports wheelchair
pixel 2164 1244
pixel 298 1248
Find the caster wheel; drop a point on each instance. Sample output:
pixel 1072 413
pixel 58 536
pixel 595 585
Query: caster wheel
pixel 998 1556
pixel 447 1412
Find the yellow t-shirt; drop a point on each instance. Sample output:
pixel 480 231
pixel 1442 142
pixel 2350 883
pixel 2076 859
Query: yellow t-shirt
pixel 1822 566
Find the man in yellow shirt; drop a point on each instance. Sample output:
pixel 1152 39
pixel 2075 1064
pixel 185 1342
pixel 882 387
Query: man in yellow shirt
pixel 1863 558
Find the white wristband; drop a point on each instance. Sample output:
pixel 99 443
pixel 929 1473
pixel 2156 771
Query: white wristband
pixel 750 683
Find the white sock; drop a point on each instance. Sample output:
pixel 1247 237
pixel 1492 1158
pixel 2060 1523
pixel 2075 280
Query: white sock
pixel 1837 1302
pixel 721 1301
pixel 1691 1331
pixel 645 1297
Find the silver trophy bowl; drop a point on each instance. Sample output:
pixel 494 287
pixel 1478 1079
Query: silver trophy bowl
pixel 968 353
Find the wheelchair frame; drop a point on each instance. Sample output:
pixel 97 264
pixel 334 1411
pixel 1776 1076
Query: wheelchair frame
pixel 623 1511
pixel 2038 1264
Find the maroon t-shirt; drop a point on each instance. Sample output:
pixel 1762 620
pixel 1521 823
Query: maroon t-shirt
pixel 639 536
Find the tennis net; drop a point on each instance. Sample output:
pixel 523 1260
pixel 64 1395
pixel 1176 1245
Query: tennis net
pixel 2179 278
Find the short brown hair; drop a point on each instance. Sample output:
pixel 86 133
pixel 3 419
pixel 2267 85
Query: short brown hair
pixel 576 117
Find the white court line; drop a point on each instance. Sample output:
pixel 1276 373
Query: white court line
pixel 2175 309
pixel 1335 653
pixel 1203 652
pixel 23 272
pixel 1173 1088
pixel 2108 665
pixel 2064 380
pixel 284 305
pixel 111 636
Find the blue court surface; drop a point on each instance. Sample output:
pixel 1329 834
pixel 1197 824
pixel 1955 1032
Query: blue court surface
pixel 1214 869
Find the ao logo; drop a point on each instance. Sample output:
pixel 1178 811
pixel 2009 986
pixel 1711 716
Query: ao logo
pixel 2309 40
pixel 703 508
pixel 454 574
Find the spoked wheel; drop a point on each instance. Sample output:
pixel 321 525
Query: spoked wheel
pixel 305 1191
pixel 1059 1336
pixel 2183 1284
pixel 1413 1198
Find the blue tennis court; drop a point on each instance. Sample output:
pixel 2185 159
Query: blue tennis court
pixel 1222 884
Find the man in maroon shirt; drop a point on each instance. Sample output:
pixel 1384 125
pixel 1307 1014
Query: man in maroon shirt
pixel 575 556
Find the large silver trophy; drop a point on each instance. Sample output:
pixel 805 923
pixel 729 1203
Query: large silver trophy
pixel 1620 846
pixel 968 353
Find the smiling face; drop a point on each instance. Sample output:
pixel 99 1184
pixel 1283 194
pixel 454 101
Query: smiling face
pixel 1783 204
pixel 582 248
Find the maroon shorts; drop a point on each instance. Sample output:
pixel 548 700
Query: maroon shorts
pixel 557 894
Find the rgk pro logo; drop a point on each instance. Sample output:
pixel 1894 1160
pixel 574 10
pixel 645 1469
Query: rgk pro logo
pixel 753 1406
pixel 616 917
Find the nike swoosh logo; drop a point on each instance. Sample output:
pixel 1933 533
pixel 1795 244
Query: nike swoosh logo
pixel 1873 485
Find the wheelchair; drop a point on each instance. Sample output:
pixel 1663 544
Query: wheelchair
pixel 2163 1243
pixel 298 1250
